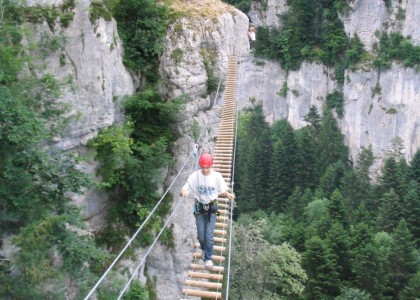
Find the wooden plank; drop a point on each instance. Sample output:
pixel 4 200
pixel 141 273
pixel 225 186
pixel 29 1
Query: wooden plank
pixel 204 284
pixel 204 294
pixel 205 275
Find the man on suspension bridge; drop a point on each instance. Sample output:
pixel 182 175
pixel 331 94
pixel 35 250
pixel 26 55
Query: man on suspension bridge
pixel 206 185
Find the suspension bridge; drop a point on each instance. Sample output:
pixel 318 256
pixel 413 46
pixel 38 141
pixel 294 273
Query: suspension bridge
pixel 201 282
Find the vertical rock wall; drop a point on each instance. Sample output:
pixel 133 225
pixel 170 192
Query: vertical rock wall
pixel 369 118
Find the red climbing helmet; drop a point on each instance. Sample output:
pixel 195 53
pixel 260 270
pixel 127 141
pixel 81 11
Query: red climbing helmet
pixel 206 160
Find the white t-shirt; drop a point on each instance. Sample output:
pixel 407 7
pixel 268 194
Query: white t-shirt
pixel 252 35
pixel 205 188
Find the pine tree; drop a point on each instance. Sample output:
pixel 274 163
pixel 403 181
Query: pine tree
pixel 411 210
pixel 339 244
pixel 330 146
pixel 306 172
pixel 390 212
pixel 321 268
pixel 336 208
pixel 402 262
pixel 414 170
pixel 314 120
pixel 331 180
pixel 254 152
pixel 294 203
pixel 281 183
pixel 369 271
pixel 356 184
pixel 253 190
pixel 411 290
pixel 390 177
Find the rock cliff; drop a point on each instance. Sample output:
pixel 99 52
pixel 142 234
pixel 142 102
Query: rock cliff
pixel 197 48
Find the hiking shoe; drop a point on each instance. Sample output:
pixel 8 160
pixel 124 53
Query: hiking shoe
pixel 209 264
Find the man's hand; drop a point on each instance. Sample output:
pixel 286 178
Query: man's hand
pixel 183 193
pixel 228 195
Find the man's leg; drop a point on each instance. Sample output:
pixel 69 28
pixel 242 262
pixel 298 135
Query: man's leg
pixel 200 222
pixel 209 236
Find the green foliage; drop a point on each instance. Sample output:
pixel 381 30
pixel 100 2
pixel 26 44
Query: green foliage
pixel 99 10
pixel 209 60
pixel 131 157
pixel 330 147
pixel 395 47
pixel 403 263
pixel 142 26
pixel 283 90
pixel 352 294
pixel 152 116
pixel 335 100
pixel 51 14
pixel 276 269
pixel 321 269
pixel 342 222
pixel 176 55
pixel 243 5
pixel 283 160
pixel 377 90
pixel 254 147
pixel 312 31
pixel 36 180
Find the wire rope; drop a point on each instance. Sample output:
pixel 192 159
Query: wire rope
pixel 136 233
pixel 231 207
pixel 152 212
pixel 148 251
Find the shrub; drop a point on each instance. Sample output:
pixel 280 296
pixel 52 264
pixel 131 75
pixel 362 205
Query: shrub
pixel 335 100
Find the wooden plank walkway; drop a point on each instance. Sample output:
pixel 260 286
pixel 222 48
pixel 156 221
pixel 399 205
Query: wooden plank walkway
pixel 201 282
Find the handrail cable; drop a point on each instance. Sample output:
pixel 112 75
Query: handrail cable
pixel 148 251
pixel 136 233
pixel 167 221
pixel 231 207
pixel 150 214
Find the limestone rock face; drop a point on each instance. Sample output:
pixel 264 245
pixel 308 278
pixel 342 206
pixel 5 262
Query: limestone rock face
pixel 369 118
pixel 197 48
pixel 367 17
pixel 91 54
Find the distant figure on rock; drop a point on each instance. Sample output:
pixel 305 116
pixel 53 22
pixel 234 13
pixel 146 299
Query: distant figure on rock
pixel 251 36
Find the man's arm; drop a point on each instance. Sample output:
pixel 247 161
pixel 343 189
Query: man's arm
pixel 228 195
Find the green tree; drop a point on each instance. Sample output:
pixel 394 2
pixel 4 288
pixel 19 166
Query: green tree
pixel 391 211
pixel 352 294
pixel 339 245
pixel 336 208
pixel 321 268
pixel 356 183
pixel 142 26
pixel 410 292
pixel 253 188
pixel 414 170
pixel 411 210
pixel 330 147
pixel 253 157
pixel 390 178
pixel 306 173
pixel 314 119
pixel 402 264
pixel 369 270
pixel 276 270
pixel 331 180
pixel 281 181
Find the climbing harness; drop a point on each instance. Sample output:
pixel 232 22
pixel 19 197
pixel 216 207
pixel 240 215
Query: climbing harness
pixel 206 209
